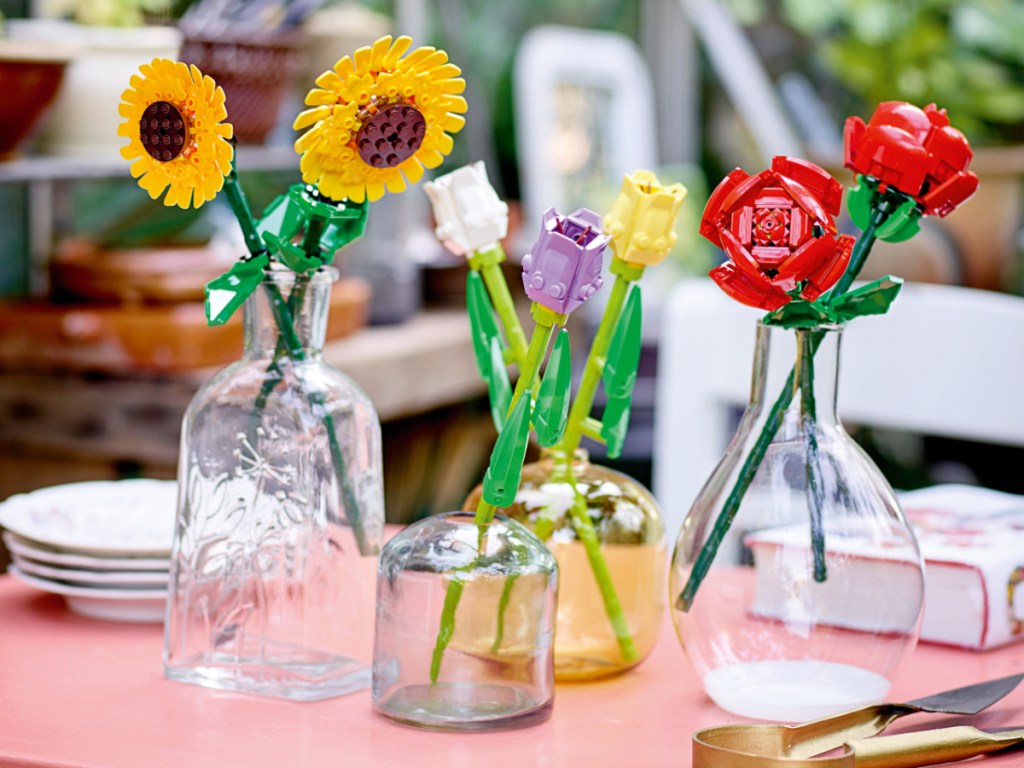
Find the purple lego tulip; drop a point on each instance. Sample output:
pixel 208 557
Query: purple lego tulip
pixel 563 269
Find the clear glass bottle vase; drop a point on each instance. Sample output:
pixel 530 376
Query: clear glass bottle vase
pixel 814 599
pixel 611 597
pixel 280 515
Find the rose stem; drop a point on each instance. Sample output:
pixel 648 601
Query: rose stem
pixel 487 263
pixel 284 319
pixel 808 418
pixel 757 453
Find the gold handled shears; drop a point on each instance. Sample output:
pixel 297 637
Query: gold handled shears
pixel 850 739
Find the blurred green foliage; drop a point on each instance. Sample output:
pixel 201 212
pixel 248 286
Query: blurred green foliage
pixel 965 55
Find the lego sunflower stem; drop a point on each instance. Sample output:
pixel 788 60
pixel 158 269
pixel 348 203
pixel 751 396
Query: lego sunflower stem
pixel 702 564
pixel 488 264
pixel 578 414
pixel 284 317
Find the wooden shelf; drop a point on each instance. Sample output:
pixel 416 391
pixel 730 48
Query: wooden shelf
pixel 406 369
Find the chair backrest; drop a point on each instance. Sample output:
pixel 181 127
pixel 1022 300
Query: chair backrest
pixel 944 361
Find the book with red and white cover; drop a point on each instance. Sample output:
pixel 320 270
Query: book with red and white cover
pixel 972 540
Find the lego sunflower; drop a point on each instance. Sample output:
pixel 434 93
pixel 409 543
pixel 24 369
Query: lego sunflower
pixel 173 119
pixel 379 119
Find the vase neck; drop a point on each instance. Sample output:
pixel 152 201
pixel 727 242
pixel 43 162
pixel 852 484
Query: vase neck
pixel 794 358
pixel 559 457
pixel 307 300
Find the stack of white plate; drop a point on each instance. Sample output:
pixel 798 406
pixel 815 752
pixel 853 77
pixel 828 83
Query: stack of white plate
pixel 104 546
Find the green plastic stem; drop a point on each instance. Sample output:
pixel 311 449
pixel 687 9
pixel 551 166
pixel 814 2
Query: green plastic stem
pixel 488 264
pixel 808 418
pixel 579 417
pixel 757 453
pixel 284 317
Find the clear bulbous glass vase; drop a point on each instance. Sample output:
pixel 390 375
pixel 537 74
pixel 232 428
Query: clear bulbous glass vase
pixel 465 625
pixel 813 601
pixel 280 515
pixel 594 640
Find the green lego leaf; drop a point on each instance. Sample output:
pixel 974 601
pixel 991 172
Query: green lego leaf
pixel 619 374
pixel 615 424
pixel 501 481
pixel 281 218
pixel 802 314
pixel 292 255
pixel 499 388
pixel 872 299
pixel 482 323
pixel 858 202
pixel 552 410
pixel 228 292
pixel 902 224
pixel 344 226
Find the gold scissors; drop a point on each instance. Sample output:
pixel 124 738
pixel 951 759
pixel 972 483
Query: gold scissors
pixel 850 740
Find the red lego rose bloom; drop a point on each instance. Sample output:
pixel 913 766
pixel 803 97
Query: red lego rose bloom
pixel 914 150
pixel 778 230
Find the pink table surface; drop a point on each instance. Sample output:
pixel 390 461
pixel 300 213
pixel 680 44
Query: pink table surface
pixel 81 692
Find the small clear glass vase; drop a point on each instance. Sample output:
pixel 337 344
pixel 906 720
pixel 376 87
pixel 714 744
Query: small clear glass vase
pixel 465 625
pixel 814 599
pixel 280 515
pixel 594 640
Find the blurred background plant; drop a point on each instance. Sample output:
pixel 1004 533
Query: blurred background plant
pixel 965 55
pixel 107 13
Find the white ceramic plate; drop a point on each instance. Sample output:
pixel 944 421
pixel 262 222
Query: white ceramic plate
pixel 35 552
pixel 147 580
pixel 122 517
pixel 130 605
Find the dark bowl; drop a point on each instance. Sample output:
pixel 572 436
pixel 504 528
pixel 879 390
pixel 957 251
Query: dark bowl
pixel 30 74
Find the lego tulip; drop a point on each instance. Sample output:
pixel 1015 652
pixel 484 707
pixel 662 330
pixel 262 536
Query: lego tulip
pixel 642 220
pixel 470 216
pixel 563 269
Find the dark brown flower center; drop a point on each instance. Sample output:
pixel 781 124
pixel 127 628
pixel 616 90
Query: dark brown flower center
pixel 391 136
pixel 163 131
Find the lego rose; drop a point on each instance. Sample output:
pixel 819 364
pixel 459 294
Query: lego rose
pixel 778 230
pixel 915 151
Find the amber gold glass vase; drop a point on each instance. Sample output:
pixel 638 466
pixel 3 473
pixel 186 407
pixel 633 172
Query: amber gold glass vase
pixel 554 492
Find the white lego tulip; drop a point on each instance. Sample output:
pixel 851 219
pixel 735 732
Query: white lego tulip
pixel 470 216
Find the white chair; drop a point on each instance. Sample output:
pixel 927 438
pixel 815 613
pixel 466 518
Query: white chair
pixel 944 361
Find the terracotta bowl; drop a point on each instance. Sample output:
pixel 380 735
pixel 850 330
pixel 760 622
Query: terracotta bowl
pixel 82 269
pixel 30 74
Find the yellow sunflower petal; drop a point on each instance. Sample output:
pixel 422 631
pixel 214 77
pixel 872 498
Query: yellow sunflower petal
pixel 445 143
pixel 396 183
pixel 445 72
pixel 455 104
pixel 378 51
pixel 318 96
pixel 435 60
pixel 344 67
pixel 410 62
pixel 454 86
pixel 453 123
pixel 308 117
pixel 398 49
pixel 413 169
pixel 430 158
pixel 330 80
pixel 361 59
